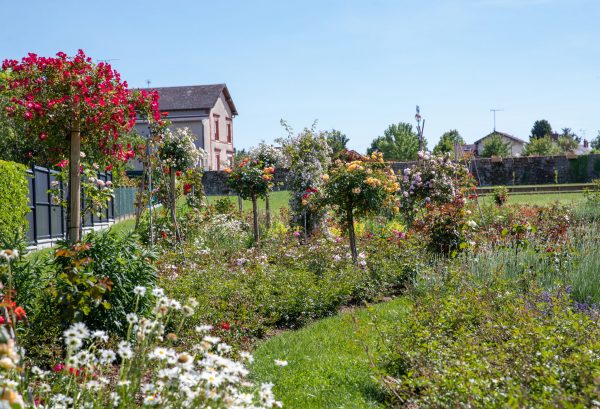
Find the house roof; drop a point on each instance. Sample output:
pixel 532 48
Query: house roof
pixel 514 138
pixel 193 97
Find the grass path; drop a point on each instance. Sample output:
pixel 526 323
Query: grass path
pixel 327 365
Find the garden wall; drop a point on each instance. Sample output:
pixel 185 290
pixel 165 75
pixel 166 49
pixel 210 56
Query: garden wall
pixel 531 170
pixel 510 171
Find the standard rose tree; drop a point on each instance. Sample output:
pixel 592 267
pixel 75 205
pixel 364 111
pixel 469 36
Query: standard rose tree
pixel 70 102
pixel 251 179
pixel 358 188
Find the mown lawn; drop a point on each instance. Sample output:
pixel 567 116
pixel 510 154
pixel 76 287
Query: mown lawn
pixel 328 366
pixel 278 200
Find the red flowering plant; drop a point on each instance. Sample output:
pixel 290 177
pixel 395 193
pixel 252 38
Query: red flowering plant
pixel 10 312
pixel 251 179
pixel 64 103
pixel 360 187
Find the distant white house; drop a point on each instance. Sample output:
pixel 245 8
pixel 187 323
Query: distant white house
pixel 208 111
pixel 516 145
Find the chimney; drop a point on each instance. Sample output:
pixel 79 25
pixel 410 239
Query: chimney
pixel 585 143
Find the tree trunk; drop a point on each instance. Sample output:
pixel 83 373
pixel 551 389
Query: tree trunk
pixel 351 235
pixel 255 220
pixel 240 204
pixel 268 209
pixel 74 229
pixel 173 197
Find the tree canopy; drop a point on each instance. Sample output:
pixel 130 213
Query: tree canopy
pixel 399 142
pixel 447 142
pixel 540 129
pixel 541 146
pixel 336 140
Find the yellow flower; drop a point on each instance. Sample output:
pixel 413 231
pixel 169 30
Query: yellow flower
pixel 304 202
pixel 325 177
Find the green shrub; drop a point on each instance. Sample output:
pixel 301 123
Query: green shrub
pixel 13 201
pixel 500 194
pixel 493 347
pixel 95 280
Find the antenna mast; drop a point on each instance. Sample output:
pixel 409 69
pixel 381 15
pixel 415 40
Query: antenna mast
pixel 494 110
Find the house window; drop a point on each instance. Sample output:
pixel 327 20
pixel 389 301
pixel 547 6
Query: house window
pixel 218 160
pixel 229 133
pixel 216 127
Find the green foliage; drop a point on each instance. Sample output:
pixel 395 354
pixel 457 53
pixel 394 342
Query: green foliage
pixel 494 145
pixel 500 194
pixel 398 143
pixel 283 284
pixel 544 146
pixel 447 142
pixel 224 206
pixel 95 280
pixel 567 143
pixel 13 201
pixel 595 143
pixel 493 347
pixel 446 227
pixel 540 129
pixel 336 140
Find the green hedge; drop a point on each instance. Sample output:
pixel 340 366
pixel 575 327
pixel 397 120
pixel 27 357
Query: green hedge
pixel 13 201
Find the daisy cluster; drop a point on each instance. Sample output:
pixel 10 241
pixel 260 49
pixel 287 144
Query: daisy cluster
pixel 145 369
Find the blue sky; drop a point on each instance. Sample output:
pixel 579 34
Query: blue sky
pixel 356 66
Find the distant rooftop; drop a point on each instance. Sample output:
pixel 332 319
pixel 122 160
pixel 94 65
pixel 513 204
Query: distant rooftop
pixel 193 97
pixel 514 138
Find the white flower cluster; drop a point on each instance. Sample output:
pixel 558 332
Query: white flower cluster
pixel 9 255
pixel 151 371
pixel 270 155
pixel 178 148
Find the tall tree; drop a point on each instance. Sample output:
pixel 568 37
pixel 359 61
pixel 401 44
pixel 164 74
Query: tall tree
pixel 66 102
pixel 595 143
pixel 399 142
pixel 447 142
pixel 494 145
pixel 541 128
pixel 336 140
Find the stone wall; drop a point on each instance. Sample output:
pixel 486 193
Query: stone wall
pixel 215 182
pixel 510 171
pixel 530 170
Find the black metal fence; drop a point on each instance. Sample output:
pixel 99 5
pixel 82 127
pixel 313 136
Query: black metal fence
pixel 48 218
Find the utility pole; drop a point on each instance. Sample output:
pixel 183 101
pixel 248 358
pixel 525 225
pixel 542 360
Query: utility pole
pixel 494 110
